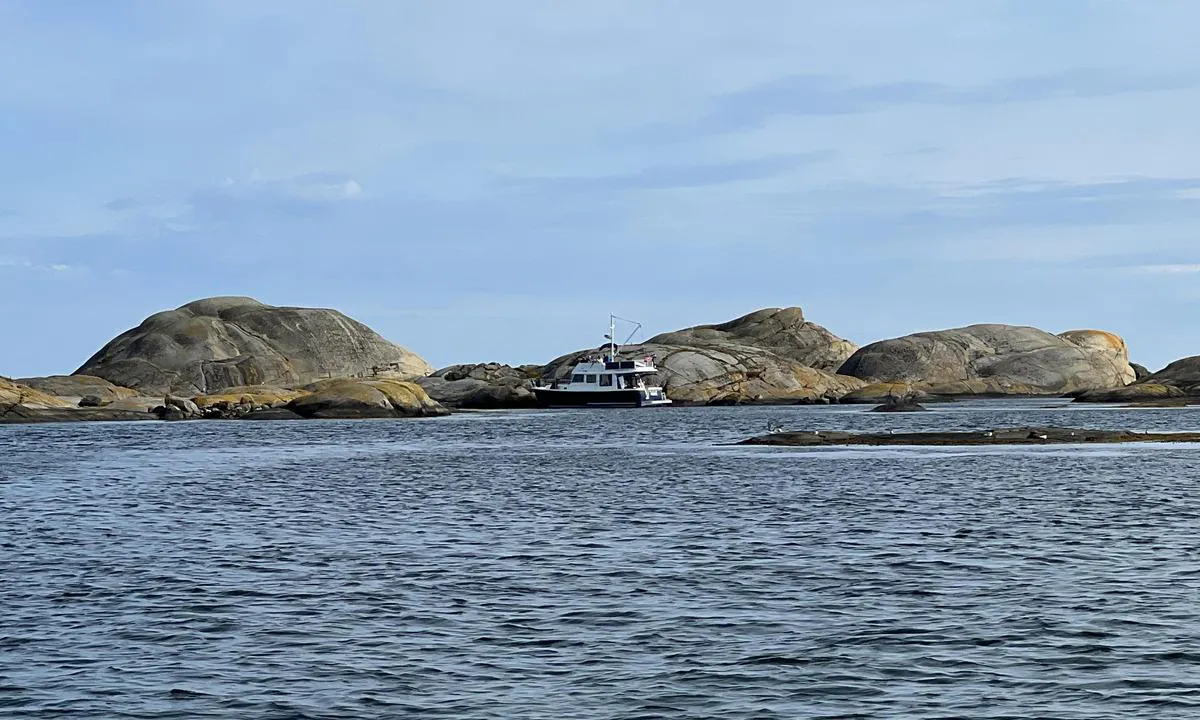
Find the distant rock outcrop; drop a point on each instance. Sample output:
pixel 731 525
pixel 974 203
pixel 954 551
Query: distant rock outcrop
pixel 352 399
pixel 79 387
pixel 240 402
pixel 176 408
pixel 782 331
pixel 1180 379
pixel 995 360
pixel 208 345
pixel 758 358
pixel 897 405
pixel 14 396
pixel 1142 392
pixel 1183 374
pixel 482 386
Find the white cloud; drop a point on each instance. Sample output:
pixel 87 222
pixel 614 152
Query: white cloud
pixel 1179 269
pixel 316 187
pixel 22 263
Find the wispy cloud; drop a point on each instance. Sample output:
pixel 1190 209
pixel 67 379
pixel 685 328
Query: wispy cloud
pixel 234 199
pixel 1181 269
pixel 683 176
pixel 297 195
pixel 24 264
pixel 816 95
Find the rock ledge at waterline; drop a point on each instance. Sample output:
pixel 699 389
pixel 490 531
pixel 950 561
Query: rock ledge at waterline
pixel 1177 383
pixel 1003 436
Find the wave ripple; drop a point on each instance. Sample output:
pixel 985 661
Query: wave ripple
pixel 611 565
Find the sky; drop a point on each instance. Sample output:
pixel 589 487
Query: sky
pixel 487 181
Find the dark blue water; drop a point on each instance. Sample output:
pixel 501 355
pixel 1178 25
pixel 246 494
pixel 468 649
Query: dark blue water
pixel 611 564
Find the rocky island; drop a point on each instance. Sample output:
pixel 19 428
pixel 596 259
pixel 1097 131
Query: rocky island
pixel 1003 436
pixel 232 357
pixel 238 358
pixel 1176 384
pixel 990 361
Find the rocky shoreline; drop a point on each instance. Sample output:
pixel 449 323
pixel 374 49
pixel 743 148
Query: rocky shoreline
pixel 238 358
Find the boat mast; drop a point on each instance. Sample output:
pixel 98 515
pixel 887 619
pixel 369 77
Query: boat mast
pixel 612 337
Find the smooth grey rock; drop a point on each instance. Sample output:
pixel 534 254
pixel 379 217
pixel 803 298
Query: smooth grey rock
pixel 1179 380
pixel 482 386
pixel 79 386
pixel 177 408
pixel 352 399
pixel 272 414
pixel 183 405
pixel 1183 374
pixel 472 394
pixel 782 331
pixel 208 345
pixel 1142 392
pixel 21 415
pixel 996 359
pixel 489 372
pixel 14 395
pixel 899 406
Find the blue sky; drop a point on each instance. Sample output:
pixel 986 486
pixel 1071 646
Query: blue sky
pixel 481 180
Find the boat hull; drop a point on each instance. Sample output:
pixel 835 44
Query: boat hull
pixel 555 398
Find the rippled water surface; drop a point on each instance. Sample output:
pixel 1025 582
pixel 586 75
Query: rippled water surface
pixel 605 564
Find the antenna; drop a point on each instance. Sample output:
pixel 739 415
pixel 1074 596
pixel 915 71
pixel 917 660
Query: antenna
pixel 612 329
pixel 612 338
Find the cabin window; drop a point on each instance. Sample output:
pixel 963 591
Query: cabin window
pixel 576 378
pixel 606 380
pixel 591 378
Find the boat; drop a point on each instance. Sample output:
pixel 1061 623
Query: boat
pixel 605 382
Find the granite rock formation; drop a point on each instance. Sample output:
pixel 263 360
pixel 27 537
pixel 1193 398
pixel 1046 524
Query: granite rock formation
pixel 23 404
pixel 758 358
pixel 374 398
pixel 14 395
pixel 993 360
pixel 782 331
pixel 1179 380
pixel 240 402
pixel 482 386
pixel 78 387
pixel 1183 374
pixel 176 408
pixel 216 343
